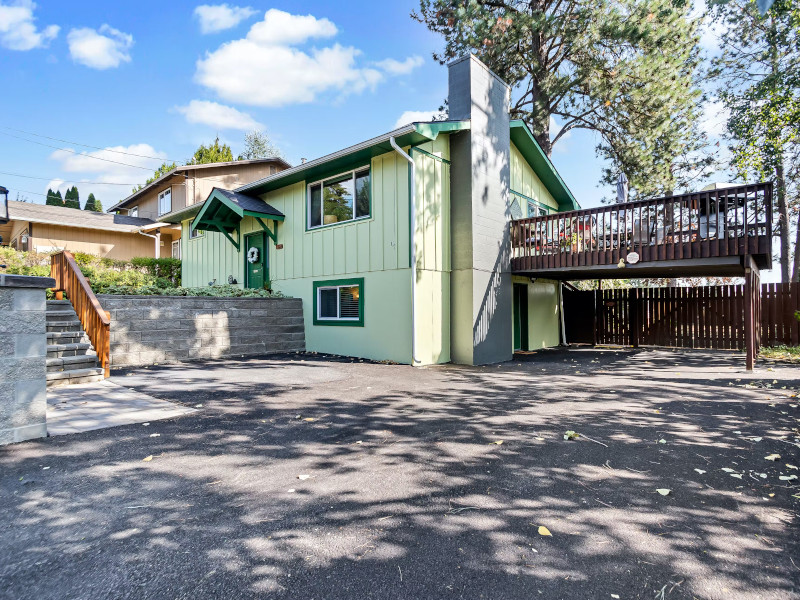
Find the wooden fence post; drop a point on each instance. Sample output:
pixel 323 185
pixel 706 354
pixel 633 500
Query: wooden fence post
pixel 633 317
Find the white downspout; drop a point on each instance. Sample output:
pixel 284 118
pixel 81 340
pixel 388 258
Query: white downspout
pixel 156 237
pixel 413 202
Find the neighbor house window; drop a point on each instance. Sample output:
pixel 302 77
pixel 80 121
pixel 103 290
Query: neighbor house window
pixel 339 199
pixel 339 302
pixel 165 202
pixel 133 212
pixel 176 249
pixel 195 233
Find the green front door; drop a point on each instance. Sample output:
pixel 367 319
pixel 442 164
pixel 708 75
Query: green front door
pixel 520 316
pixel 256 272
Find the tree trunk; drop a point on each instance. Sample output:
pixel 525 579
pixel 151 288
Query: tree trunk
pixel 783 220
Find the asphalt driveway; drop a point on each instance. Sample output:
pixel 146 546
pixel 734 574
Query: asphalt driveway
pixel 305 477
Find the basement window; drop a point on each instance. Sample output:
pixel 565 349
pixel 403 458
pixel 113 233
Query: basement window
pixel 339 302
pixel 339 199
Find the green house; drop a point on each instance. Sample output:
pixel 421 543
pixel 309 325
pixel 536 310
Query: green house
pixel 398 246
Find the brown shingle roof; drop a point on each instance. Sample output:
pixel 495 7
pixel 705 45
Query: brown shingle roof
pixel 73 217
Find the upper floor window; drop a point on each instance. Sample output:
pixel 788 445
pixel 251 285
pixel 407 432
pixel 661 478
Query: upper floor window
pixel 165 202
pixel 133 212
pixel 339 199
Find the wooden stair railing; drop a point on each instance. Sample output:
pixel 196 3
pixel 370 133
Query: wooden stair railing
pixel 95 321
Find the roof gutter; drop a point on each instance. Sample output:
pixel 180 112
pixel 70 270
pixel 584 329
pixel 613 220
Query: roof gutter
pixel 413 206
pixel 156 236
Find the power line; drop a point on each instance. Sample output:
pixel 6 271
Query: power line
pixel 77 153
pixel 64 180
pixel 47 137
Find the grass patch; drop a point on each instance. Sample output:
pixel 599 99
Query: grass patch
pixel 782 353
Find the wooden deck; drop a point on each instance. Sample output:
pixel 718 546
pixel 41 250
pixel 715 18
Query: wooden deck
pixel 704 233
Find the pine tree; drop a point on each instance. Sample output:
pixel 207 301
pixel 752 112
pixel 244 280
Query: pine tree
pixel 624 69
pixel 93 204
pixel 211 154
pixel 758 79
pixel 72 198
pixel 54 198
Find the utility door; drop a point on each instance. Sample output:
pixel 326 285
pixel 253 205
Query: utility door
pixel 256 273
pixel 520 316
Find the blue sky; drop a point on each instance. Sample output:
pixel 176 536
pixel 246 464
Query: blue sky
pixel 159 78
pixel 156 79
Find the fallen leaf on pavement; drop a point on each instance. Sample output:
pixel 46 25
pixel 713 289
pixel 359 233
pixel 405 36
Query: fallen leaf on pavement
pixel 773 457
pixel 700 471
pixel 570 435
pixel 664 491
pixel 791 466
pixel 498 442
pixel 147 458
pixel 787 477
pixel 727 469
pixel 303 477
pixel 544 531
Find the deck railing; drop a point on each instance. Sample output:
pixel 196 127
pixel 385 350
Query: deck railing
pixel 95 321
pixel 723 222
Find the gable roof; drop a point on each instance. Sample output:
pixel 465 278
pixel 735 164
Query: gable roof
pixel 184 168
pixel 408 135
pixel 73 217
pixel 532 152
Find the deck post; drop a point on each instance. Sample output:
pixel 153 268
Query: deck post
pixel 752 310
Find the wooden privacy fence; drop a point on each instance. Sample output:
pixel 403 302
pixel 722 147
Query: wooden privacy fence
pixel 95 321
pixel 702 317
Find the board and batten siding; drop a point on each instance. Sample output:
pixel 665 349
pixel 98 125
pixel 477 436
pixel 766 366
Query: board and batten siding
pixel 376 248
pixel 525 181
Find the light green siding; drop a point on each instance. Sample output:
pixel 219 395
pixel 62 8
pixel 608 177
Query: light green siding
pixel 375 248
pixel 433 251
pixel 525 181
pixel 544 319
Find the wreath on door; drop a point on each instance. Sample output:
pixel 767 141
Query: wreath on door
pixel 252 255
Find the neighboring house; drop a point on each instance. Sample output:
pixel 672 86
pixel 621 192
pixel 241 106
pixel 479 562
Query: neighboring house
pixel 338 232
pixel 167 198
pixel 41 228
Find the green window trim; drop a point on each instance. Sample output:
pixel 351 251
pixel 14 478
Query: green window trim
pixel 338 283
pixel 321 182
pixel 550 210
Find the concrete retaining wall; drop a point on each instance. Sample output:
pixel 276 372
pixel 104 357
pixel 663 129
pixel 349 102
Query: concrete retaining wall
pixel 23 351
pixel 147 330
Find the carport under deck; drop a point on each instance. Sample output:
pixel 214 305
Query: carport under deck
pixel 721 232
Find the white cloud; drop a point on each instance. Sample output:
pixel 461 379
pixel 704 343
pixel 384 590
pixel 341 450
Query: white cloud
pixel 111 172
pixel 17 29
pixel 105 48
pixel 416 116
pixel 396 67
pixel 218 17
pixel 266 68
pixel 555 128
pixel 218 115
pixel 714 120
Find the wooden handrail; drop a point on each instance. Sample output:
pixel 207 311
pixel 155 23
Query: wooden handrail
pixel 95 321
pixel 723 222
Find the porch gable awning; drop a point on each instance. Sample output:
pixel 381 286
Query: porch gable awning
pixel 224 210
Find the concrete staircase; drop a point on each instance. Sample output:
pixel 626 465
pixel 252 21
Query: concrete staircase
pixel 70 356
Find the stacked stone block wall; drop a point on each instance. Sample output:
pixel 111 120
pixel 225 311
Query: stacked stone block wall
pixel 148 330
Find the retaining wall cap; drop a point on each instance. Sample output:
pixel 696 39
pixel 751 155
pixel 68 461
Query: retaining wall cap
pixel 26 281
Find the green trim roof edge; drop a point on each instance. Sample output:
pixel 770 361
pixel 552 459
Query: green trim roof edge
pixel 412 134
pixel 530 149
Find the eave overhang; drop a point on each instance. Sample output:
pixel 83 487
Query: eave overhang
pixel 412 134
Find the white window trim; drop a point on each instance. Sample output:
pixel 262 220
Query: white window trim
pixel 178 242
pixel 133 211
pixel 321 182
pixel 338 302
pixel 196 234
pixel 161 195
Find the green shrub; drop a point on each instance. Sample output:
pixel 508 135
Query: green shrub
pixel 167 268
pixel 216 291
pixel 24 263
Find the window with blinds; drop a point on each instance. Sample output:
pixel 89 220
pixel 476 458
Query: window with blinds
pixel 339 302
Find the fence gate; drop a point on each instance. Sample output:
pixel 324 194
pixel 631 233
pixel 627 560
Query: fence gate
pixel 701 317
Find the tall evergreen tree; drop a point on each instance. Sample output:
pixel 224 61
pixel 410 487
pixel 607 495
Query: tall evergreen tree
pixel 758 72
pixel 624 69
pixel 72 198
pixel 211 154
pixel 54 198
pixel 93 204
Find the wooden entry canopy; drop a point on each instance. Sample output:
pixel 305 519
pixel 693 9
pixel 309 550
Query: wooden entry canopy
pixel 224 210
